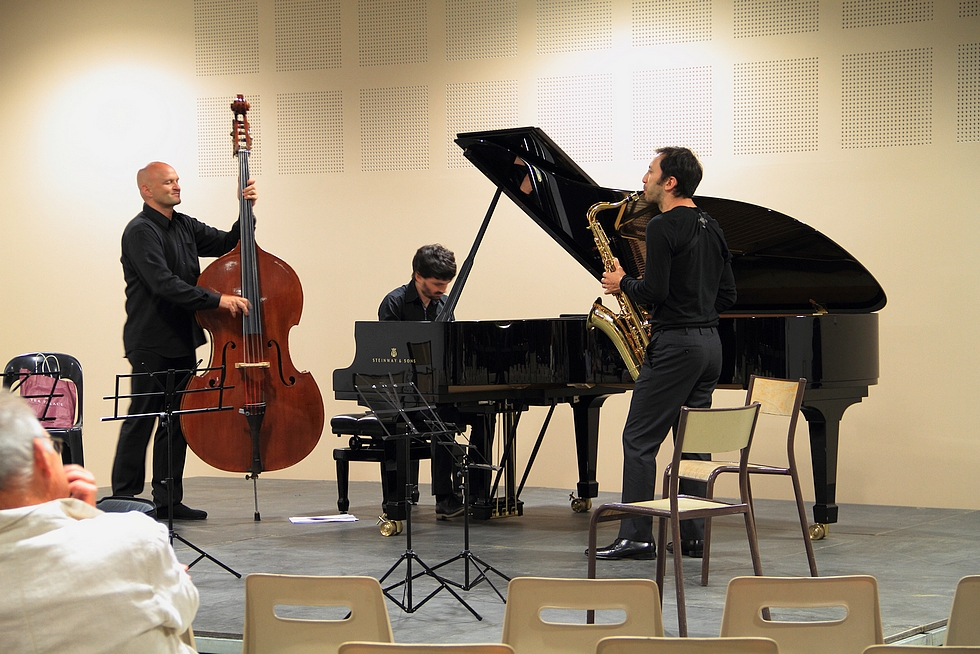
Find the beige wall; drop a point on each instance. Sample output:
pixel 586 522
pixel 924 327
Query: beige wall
pixel 92 90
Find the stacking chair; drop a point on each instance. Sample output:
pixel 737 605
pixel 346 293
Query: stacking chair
pixel 963 627
pixel 631 645
pixel 528 632
pixel 777 397
pixel 266 631
pixel 415 648
pixel 698 430
pixel 748 597
pixel 66 367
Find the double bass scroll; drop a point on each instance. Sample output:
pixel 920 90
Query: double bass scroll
pixel 278 411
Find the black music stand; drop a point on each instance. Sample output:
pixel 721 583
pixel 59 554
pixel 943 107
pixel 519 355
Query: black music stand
pixel 402 411
pixel 168 391
pixel 468 557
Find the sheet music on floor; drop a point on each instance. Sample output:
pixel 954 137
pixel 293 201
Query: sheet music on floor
pixel 314 519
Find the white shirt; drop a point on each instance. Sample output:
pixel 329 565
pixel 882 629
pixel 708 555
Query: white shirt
pixel 75 579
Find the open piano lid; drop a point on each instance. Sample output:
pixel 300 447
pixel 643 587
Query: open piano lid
pixel 781 265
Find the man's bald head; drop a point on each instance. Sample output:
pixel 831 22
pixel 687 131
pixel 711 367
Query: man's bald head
pixel 159 187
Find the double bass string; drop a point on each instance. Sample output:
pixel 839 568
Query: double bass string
pixel 251 324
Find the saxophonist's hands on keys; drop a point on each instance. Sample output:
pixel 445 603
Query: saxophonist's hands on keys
pixel 611 279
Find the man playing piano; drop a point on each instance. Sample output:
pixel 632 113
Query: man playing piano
pixel 433 267
pixel 688 281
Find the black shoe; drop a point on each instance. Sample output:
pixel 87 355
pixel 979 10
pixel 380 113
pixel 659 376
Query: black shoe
pixel 691 548
pixel 449 507
pixel 622 548
pixel 181 512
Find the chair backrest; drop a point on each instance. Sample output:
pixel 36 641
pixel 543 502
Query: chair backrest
pixel 265 631
pixel 68 367
pixel 528 632
pixel 417 648
pixel 632 645
pixel 716 430
pixel 919 649
pixel 963 627
pixel 779 397
pixel 857 595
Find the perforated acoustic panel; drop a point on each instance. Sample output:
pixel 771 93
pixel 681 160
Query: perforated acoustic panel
pixel 571 25
pixel 776 106
pixel 887 99
pixel 214 145
pixel 311 132
pixel 968 93
pixel 671 107
pixel 872 13
pixel 576 112
pixel 226 36
pixel 768 17
pixel 307 34
pixel 395 128
pixel 391 32
pixel 477 106
pixel 481 29
pixel 969 8
pixel 656 22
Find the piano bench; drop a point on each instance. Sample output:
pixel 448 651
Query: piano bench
pixel 367 443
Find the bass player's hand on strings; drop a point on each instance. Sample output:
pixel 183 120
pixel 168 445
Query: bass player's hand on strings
pixel 234 304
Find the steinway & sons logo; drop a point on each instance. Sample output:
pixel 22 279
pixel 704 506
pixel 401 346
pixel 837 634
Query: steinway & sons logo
pixel 393 358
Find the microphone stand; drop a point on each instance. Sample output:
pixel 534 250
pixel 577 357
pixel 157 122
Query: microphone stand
pixel 170 393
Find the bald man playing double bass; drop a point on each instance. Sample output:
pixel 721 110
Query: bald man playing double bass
pixel 160 259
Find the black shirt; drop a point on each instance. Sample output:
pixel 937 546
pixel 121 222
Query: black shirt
pixel 688 278
pixel 404 303
pixel 161 266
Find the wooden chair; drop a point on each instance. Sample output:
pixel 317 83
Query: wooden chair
pixel 417 648
pixel 963 627
pixel 528 632
pixel 627 645
pixel 698 430
pixel 777 397
pixel 857 595
pixel 265 631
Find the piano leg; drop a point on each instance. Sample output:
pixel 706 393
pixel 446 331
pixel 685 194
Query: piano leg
pixel 585 412
pixel 823 418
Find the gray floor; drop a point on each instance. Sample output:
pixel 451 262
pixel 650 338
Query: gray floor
pixel 916 554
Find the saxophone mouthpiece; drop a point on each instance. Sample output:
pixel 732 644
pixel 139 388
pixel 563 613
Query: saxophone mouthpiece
pixel 634 196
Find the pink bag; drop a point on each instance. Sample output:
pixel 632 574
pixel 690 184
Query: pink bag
pixel 54 407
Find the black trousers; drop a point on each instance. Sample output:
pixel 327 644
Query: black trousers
pixel 129 465
pixel 681 368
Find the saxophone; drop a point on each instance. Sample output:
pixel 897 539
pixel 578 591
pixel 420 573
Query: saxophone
pixel 626 330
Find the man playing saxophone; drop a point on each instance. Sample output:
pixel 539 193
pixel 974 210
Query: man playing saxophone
pixel 687 282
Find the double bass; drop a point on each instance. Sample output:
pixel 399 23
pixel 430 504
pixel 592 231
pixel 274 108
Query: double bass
pixel 277 411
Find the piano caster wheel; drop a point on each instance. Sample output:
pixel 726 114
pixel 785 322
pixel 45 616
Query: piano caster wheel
pixel 580 504
pixel 818 531
pixel 389 527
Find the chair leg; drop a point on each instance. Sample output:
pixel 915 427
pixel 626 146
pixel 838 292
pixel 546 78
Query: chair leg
pixel 753 543
pixel 708 494
pixel 661 556
pixel 811 559
pixel 593 537
pixel 343 485
pixel 675 527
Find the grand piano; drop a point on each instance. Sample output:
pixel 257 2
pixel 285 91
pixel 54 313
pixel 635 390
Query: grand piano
pixel 806 308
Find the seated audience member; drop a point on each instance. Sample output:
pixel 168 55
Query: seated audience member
pixel 74 579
